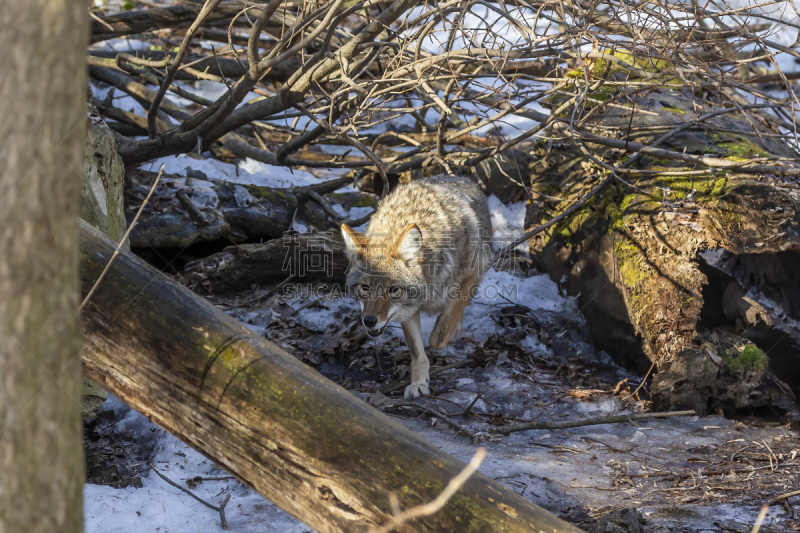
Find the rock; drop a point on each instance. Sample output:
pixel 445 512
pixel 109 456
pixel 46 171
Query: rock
pixel 621 521
pixel 93 396
pixel 505 175
pixel 104 175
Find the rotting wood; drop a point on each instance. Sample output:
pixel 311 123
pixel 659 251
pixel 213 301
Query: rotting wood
pixel 307 444
pixel 632 254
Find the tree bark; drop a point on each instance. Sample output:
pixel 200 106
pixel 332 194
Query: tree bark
pixel 303 257
pixel 302 441
pixel 631 255
pixel 42 138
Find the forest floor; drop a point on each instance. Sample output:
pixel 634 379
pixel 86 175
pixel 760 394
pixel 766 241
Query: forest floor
pixel 526 356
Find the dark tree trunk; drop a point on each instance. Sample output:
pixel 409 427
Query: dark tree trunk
pixel 279 426
pixel 42 137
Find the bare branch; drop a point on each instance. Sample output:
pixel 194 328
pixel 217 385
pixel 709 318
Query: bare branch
pixel 433 506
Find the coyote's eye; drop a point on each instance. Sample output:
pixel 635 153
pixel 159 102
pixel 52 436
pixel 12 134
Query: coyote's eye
pixel 395 291
pixel 363 290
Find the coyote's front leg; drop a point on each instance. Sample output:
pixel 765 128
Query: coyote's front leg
pixel 419 361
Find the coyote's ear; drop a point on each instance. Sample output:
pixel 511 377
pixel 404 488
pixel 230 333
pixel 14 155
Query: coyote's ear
pixel 353 241
pixel 409 244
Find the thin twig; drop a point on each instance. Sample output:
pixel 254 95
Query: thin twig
pixel 761 516
pixel 555 220
pixel 437 503
pixel 784 496
pixel 644 379
pixel 426 407
pixel 208 8
pixel 352 142
pixel 220 509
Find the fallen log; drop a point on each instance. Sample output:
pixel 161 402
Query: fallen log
pixel 304 257
pixel 633 254
pixel 305 443
pixel 187 210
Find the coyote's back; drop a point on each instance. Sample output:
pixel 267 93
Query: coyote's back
pixel 426 248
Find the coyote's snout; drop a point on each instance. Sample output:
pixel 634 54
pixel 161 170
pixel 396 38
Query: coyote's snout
pixel 426 248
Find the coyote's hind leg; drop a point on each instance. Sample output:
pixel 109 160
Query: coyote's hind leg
pixel 448 325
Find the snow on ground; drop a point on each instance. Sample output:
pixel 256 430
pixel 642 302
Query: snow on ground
pixel 508 221
pixel 245 172
pixel 158 506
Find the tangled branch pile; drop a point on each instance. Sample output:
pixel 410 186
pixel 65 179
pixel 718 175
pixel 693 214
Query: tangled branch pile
pixel 458 81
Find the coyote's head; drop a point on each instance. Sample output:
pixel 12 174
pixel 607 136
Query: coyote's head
pixel 385 275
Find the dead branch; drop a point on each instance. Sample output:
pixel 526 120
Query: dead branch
pixel 434 506
pixel 614 419
pixel 353 67
pixel 179 16
pixel 223 522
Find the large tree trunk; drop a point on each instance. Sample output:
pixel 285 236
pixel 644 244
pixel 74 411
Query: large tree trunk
pixel 302 441
pixel 42 136
pixel 631 255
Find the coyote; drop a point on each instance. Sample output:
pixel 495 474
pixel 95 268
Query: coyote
pixel 426 248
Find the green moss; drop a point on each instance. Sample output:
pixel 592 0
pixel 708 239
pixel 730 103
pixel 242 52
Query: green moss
pixel 674 109
pixel 629 262
pixel 704 188
pixel 738 147
pixel 728 217
pixel 602 94
pixel 720 184
pixel 260 191
pixel 629 258
pixel 624 61
pixel 750 359
pixel 362 200
pixel 629 203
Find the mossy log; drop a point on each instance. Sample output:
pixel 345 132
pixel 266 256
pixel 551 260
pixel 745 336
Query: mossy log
pixel 631 255
pixel 302 441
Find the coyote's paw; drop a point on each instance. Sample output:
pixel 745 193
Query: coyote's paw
pixel 415 389
pixel 438 343
pixel 456 336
